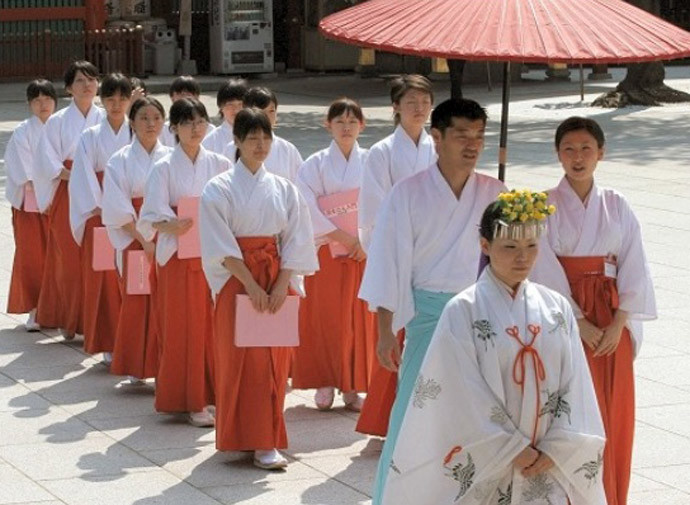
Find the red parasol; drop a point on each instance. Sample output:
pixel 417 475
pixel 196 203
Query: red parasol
pixel 548 31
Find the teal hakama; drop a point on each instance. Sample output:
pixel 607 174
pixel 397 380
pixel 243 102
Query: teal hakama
pixel 418 333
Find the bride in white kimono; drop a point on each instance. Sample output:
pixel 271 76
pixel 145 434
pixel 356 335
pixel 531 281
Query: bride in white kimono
pixel 504 410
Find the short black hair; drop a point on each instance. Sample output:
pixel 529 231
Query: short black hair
pixel 186 109
pixel 260 97
pixel 185 83
pixel 492 213
pixel 142 102
pixel 39 87
pixel 342 106
pixel 576 123
pixel 115 83
pixel 407 82
pixel 443 114
pixel 85 67
pixel 247 121
pixel 233 89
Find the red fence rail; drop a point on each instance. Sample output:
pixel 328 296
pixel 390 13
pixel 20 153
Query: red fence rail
pixel 47 54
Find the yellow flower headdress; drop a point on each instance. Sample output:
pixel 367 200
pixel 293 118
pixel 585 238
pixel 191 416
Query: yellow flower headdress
pixel 523 214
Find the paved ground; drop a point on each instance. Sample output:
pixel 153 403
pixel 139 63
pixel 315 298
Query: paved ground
pixel 69 434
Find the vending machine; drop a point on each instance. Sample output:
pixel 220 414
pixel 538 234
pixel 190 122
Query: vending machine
pixel 241 36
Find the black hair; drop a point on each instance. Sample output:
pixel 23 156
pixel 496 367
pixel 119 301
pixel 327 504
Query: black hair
pixel 138 83
pixel 85 67
pixel 577 123
pixel 443 114
pixel 404 83
pixel 142 102
pixel 492 213
pixel 233 89
pixel 247 121
pixel 260 97
pixel 112 84
pixel 41 87
pixel 342 106
pixel 186 109
pixel 185 83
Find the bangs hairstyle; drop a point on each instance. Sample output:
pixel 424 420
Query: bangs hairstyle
pixel 186 109
pixel 250 120
pixel 233 89
pixel 185 83
pixel 491 214
pixel 404 83
pixel 443 114
pixel 577 123
pixel 260 97
pixel 112 84
pixel 85 67
pixel 142 102
pixel 41 87
pixel 346 106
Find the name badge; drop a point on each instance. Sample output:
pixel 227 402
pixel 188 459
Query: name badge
pixel 611 267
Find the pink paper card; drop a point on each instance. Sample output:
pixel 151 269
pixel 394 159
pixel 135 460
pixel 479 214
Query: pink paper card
pixel 341 209
pixel 189 245
pixel 138 270
pixel 103 252
pixel 262 329
pixel 30 203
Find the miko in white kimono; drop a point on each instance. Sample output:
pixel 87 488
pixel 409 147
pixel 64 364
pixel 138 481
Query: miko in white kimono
pixel 101 303
pixel 595 257
pixel 30 227
pixel 503 410
pixel 183 86
pixel 337 333
pixel 409 150
pixel 185 381
pixel 424 250
pixel 136 344
pixel 60 303
pixel 284 158
pixel 256 237
pixel 230 100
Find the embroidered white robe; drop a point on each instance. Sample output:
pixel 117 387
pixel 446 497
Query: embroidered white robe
pixel 125 178
pixel 173 177
pixel 327 172
pixel 390 160
pixel 480 399
pixel 604 225
pixel 59 143
pixel 284 159
pixel 20 157
pixel 425 238
pixel 96 145
pixel 239 204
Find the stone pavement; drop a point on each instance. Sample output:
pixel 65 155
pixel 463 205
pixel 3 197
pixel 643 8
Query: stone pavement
pixel 70 434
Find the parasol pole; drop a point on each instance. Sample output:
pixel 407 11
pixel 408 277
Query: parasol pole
pixel 502 145
pixel 582 83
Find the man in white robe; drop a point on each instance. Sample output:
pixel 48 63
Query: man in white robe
pixel 425 250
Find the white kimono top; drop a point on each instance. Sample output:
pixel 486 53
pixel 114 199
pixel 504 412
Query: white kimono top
pixel 59 143
pixel 125 178
pixel 239 204
pixel 390 160
pixel 327 172
pixel 167 138
pixel 284 159
pixel 603 225
pixel 20 156
pixel 501 374
pixel 217 140
pixel 425 238
pixel 96 145
pixel 174 176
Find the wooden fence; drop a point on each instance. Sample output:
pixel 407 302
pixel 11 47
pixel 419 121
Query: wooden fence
pixel 47 54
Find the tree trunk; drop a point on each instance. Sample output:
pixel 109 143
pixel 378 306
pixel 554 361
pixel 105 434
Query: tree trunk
pixel 643 85
pixel 456 68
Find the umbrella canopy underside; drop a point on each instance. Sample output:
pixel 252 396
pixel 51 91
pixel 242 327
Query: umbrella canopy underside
pixel 551 31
